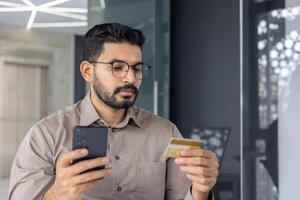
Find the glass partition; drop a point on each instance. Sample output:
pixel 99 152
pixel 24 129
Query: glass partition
pixel 271 100
pixel 152 18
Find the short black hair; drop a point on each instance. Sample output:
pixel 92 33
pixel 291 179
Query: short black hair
pixel 95 38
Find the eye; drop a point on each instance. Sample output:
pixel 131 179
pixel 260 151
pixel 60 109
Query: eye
pixel 119 66
pixel 138 68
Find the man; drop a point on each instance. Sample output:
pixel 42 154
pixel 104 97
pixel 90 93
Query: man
pixel 114 70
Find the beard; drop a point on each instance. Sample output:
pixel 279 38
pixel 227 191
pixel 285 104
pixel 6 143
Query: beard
pixel 111 100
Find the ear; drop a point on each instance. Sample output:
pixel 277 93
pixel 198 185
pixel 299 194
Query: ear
pixel 86 69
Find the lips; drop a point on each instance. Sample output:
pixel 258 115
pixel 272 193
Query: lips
pixel 127 90
pixel 126 93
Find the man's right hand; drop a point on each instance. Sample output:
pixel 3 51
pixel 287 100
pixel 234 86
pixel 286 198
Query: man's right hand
pixel 70 182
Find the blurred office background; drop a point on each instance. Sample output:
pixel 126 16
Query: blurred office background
pixel 223 71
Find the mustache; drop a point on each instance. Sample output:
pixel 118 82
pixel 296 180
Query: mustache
pixel 130 87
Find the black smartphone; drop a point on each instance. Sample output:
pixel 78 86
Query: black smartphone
pixel 92 138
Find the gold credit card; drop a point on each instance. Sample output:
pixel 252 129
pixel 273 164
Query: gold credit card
pixel 176 145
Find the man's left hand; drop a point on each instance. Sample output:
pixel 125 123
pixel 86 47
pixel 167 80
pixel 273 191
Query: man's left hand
pixel 202 168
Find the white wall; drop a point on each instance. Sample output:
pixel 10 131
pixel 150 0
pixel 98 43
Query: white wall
pixel 289 126
pixel 289 141
pixel 54 47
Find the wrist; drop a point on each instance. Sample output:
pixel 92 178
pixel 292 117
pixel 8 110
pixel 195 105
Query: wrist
pixel 198 195
pixel 50 194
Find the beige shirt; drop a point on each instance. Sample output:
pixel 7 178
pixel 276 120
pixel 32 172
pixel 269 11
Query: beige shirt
pixel 140 172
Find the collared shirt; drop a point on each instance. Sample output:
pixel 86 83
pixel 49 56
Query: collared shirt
pixel 135 146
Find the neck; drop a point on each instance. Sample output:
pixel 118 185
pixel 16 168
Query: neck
pixel 110 115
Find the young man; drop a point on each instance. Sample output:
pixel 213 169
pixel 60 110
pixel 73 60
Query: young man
pixel 114 70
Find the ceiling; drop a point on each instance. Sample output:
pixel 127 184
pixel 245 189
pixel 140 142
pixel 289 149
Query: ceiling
pixel 67 16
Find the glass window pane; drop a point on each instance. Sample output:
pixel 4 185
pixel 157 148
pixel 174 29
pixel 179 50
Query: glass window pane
pixel 271 114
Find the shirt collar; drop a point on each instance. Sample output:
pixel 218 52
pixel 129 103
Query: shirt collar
pixel 132 114
pixel 89 114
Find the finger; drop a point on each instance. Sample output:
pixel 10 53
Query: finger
pixel 88 164
pixel 199 153
pixel 202 161
pixel 91 176
pixel 200 171
pixel 202 180
pixel 65 159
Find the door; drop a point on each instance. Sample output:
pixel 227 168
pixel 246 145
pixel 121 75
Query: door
pixel 23 101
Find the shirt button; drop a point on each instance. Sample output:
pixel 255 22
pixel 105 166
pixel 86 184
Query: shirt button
pixel 117 157
pixel 119 189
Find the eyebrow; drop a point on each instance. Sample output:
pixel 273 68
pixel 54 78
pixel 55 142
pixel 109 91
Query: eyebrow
pixel 119 60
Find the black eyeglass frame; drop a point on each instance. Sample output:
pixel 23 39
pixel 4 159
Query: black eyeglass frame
pixel 145 67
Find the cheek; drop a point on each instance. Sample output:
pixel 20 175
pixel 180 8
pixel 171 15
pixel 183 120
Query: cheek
pixel 138 84
pixel 107 81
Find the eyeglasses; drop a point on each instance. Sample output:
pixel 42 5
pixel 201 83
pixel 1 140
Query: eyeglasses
pixel 120 68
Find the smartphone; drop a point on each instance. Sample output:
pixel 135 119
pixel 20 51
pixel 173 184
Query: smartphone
pixel 92 138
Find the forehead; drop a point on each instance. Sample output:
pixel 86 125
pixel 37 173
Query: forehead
pixel 122 51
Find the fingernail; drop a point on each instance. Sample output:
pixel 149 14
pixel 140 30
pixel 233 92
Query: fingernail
pixel 181 168
pixel 185 152
pixel 84 151
pixel 109 170
pixel 177 160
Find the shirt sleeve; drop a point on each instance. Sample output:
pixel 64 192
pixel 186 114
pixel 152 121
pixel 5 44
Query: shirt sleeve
pixel 33 169
pixel 189 196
